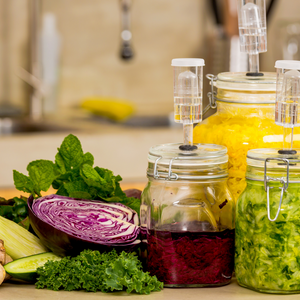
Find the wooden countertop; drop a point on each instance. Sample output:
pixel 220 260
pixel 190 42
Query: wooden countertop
pixel 16 291
pixel 12 192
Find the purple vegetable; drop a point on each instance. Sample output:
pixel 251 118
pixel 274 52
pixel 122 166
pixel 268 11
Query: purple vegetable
pixel 133 193
pixel 67 225
pixel 187 257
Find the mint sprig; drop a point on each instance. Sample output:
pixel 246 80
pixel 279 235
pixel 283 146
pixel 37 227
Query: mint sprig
pixel 72 174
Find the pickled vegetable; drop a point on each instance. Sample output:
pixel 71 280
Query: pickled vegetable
pixel 241 128
pixel 191 258
pixel 268 253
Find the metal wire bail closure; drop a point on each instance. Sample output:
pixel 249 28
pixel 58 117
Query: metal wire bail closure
pixel 211 95
pixel 171 175
pixel 155 172
pixel 283 188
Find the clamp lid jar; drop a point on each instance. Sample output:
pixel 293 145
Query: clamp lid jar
pixel 244 120
pixel 267 223
pixel 183 162
pixel 187 216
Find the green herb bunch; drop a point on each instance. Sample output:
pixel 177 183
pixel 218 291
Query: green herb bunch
pixel 94 271
pixel 15 209
pixel 72 174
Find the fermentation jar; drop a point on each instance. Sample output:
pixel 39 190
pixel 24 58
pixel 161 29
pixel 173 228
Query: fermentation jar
pixel 267 255
pixel 187 216
pixel 244 120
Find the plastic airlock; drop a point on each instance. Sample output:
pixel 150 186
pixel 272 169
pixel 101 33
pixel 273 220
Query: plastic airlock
pixel 188 89
pixel 252 30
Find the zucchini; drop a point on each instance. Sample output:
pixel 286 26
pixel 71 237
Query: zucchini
pixel 25 268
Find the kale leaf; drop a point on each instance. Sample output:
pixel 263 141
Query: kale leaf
pixel 94 271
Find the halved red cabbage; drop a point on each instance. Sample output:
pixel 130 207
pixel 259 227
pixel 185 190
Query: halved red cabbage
pixel 68 225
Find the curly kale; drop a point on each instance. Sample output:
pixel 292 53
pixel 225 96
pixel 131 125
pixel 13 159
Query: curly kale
pixel 93 271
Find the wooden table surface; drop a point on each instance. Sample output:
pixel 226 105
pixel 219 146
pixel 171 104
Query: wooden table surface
pixel 8 193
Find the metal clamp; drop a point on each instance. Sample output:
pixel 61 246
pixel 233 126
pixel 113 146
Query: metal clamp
pixel 172 176
pixel 211 95
pixel 167 176
pixel 283 188
pixel 155 172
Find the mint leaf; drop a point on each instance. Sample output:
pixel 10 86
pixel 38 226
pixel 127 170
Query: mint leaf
pixel 71 152
pixel 80 195
pixel 88 158
pixel 23 182
pixel 59 162
pixel 76 187
pixel 42 174
pixel 90 173
pixel 62 191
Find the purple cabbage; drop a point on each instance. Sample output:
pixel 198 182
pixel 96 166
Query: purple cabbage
pixel 67 225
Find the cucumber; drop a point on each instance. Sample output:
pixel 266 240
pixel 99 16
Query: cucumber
pixel 25 268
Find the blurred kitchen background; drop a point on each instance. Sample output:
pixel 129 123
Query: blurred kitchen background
pixel 54 54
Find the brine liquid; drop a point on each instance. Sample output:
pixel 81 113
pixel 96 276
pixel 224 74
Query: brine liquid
pixel 191 258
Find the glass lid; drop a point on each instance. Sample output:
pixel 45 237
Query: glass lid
pixel 242 81
pixel 276 158
pixel 201 155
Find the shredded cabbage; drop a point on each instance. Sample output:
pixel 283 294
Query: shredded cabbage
pixel 241 128
pixel 267 256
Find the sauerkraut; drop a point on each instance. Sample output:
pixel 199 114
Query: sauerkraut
pixel 267 255
pixel 240 128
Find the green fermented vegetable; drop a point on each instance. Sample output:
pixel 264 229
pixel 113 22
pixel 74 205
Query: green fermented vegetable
pixel 19 242
pixel 72 174
pixel 94 271
pixel 268 253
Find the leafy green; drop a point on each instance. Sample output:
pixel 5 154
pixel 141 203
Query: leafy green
pixel 73 175
pixel 41 175
pixel 94 271
pixel 267 255
pixel 16 210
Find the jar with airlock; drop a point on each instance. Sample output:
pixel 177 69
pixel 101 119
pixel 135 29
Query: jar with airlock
pixel 244 120
pixel 267 255
pixel 188 215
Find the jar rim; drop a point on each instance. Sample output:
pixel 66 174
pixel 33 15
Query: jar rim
pixel 257 157
pixel 205 154
pixel 168 161
pixel 267 164
pixel 239 81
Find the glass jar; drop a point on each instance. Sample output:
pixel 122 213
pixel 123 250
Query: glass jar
pixel 267 255
pixel 244 120
pixel 187 216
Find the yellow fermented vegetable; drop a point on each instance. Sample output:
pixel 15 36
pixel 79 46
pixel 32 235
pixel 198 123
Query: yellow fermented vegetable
pixel 241 127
